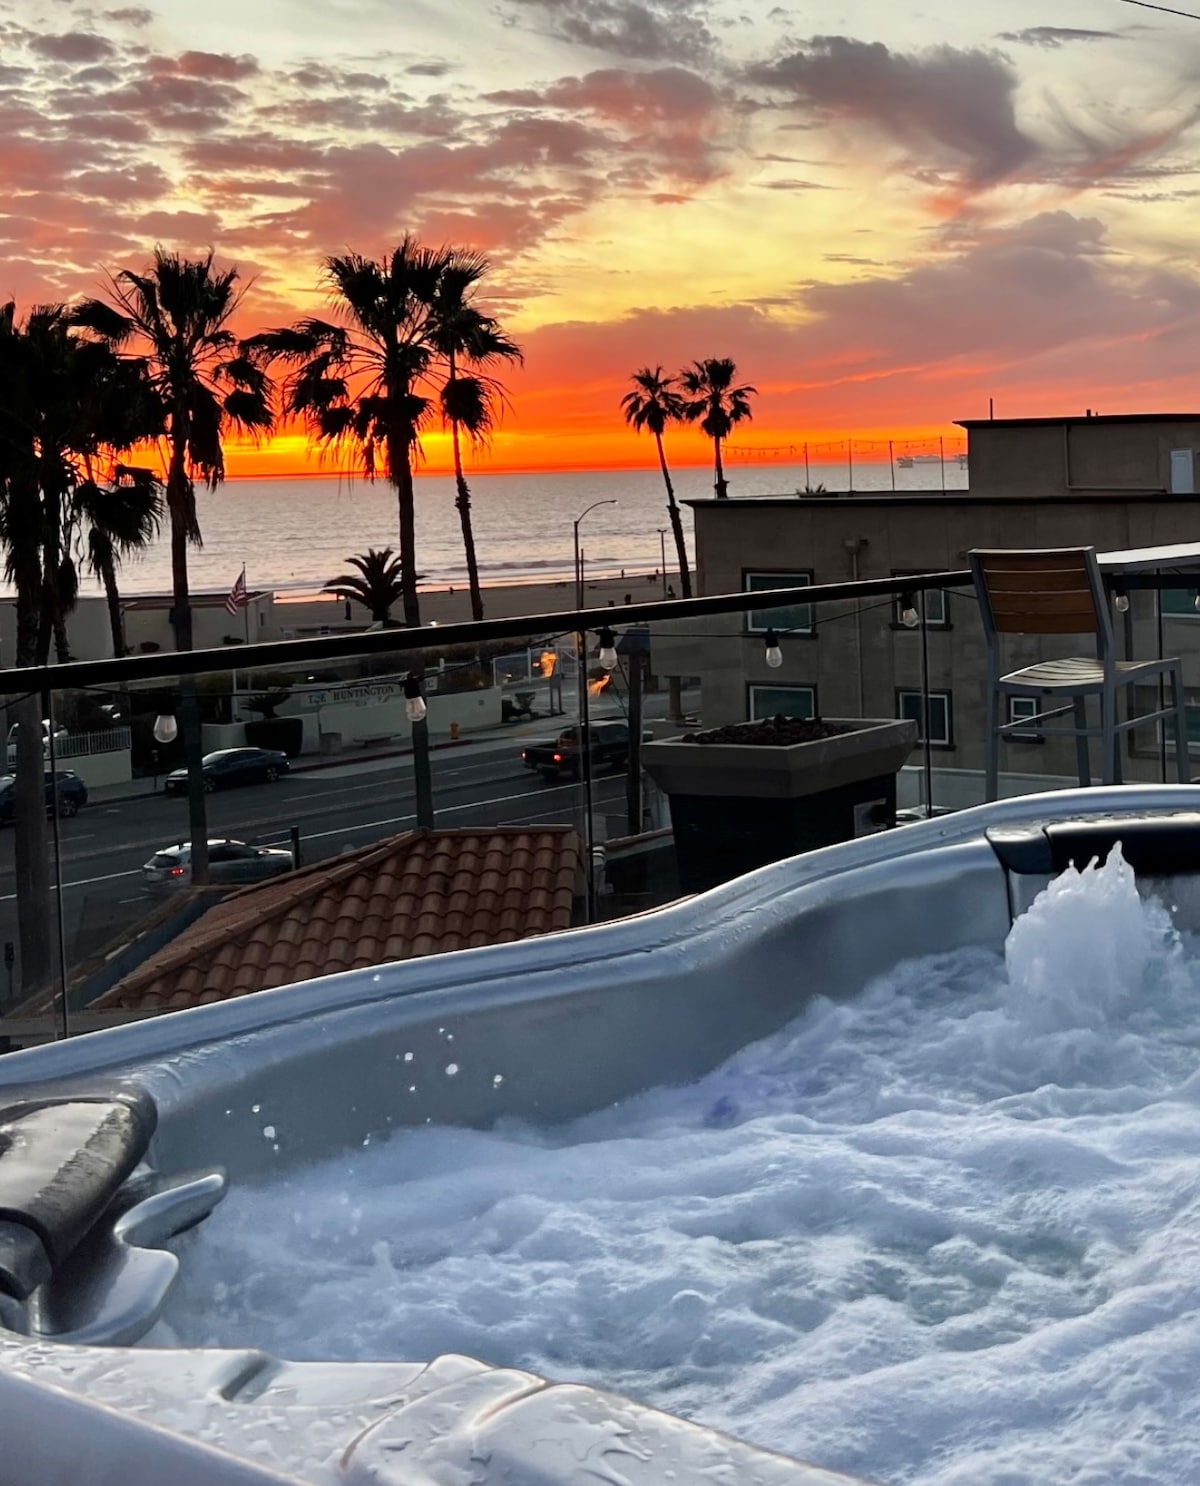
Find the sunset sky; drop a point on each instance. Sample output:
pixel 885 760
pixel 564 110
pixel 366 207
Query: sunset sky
pixel 885 214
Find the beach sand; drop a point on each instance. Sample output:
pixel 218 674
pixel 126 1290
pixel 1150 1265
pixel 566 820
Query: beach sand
pixel 452 606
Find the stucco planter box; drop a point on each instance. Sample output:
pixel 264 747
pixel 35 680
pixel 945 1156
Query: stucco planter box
pixel 737 806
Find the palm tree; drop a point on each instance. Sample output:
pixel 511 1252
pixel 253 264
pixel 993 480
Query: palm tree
pixel 372 381
pixel 465 336
pixel 717 405
pixel 653 402
pixel 120 518
pixel 377 583
pixel 175 318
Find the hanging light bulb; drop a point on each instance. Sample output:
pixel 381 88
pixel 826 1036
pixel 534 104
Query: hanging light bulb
pixel 774 655
pixel 414 703
pixel 166 729
pixel 909 617
pixel 1121 601
pixel 1196 602
pixel 608 650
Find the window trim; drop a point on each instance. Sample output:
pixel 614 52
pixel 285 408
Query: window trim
pixel 753 686
pixel 1033 737
pixel 947 697
pixel 805 578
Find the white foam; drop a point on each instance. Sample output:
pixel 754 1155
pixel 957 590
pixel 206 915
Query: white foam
pixel 948 1233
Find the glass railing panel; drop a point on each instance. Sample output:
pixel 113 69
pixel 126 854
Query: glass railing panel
pixel 498 746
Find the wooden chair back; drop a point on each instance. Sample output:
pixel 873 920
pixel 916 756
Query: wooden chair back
pixel 1055 591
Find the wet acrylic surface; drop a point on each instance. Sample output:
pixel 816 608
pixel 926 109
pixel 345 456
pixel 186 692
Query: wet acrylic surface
pixel 947 1233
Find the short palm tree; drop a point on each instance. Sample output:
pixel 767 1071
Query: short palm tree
pixel 711 399
pixel 470 402
pixel 652 403
pixel 175 318
pixel 377 583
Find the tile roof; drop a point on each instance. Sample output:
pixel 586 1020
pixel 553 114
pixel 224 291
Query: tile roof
pixel 421 893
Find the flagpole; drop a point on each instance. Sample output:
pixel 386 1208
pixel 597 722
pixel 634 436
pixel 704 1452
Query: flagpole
pixel 246 605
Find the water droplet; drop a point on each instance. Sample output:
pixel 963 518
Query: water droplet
pixel 451 1069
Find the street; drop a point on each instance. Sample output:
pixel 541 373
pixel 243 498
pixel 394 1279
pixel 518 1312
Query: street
pixel 338 808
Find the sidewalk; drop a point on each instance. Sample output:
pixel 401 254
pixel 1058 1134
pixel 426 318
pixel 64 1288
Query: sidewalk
pixel 508 735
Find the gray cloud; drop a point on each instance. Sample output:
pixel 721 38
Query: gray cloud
pixel 1055 36
pixel 958 104
pixel 73 46
pixel 646 30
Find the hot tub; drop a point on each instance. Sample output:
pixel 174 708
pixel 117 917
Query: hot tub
pixel 113 1144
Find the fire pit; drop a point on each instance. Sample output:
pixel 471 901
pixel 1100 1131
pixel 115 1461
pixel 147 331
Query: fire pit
pixel 752 793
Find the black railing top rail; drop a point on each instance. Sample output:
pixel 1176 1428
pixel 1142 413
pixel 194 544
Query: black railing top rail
pixel 169 664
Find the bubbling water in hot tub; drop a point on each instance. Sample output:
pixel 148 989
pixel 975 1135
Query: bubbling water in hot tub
pixel 948 1232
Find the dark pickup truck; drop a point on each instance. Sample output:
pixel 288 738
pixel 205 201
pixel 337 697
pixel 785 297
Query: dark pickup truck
pixel 559 759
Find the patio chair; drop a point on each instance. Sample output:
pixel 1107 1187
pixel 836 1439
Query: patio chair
pixel 1060 591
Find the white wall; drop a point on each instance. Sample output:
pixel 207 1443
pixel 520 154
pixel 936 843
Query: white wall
pixel 98 769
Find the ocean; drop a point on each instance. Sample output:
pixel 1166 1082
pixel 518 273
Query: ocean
pixel 295 534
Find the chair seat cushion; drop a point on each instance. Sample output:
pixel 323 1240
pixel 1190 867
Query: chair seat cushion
pixel 1077 673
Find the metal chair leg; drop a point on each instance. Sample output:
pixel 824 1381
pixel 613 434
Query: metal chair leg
pixel 1179 702
pixel 1082 753
pixel 991 784
pixel 1111 761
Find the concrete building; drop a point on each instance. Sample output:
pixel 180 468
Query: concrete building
pixel 1113 483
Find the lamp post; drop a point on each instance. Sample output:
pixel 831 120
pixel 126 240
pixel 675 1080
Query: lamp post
pixel 662 547
pixel 578 559
pixel 585 738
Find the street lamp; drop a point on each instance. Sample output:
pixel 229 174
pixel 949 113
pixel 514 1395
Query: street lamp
pixel 585 728
pixel 578 559
pixel 662 547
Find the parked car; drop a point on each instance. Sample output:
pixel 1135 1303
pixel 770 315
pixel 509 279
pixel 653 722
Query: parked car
pixel 231 766
pixel 70 794
pixel 60 734
pixel 232 862
pixel 559 758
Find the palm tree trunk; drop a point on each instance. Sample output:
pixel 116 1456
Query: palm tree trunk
pixel 180 498
pixel 62 643
pixel 400 447
pixel 685 577
pixel 116 620
pixel 721 484
pixel 463 502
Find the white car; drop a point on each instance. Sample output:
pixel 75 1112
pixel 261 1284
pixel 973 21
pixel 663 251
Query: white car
pixel 230 862
pixel 60 733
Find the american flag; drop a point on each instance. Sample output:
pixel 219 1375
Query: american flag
pixel 238 597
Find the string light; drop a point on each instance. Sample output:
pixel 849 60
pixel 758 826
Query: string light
pixel 909 617
pixel 608 650
pixel 774 655
pixel 1120 601
pixel 414 703
pixel 166 729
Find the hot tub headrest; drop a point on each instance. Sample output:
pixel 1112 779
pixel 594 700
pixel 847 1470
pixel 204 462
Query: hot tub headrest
pixel 1153 845
pixel 61 1163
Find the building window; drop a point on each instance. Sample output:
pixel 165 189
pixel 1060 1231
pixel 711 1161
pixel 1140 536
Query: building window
pixel 782 701
pixel 911 705
pixel 798 620
pixel 937 606
pixel 1020 708
pixel 1180 603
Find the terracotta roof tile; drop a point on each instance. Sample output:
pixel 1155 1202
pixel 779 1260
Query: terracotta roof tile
pixel 416 894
